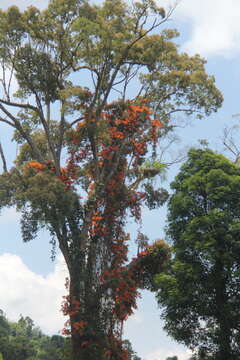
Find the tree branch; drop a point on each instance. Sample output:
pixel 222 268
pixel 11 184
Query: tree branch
pixel 47 132
pixel 22 132
pixel 76 121
pixel 23 106
pixel 154 25
pixel 87 68
pixel 3 159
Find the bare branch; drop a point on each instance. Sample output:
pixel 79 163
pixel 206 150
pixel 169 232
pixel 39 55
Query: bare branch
pixel 61 132
pixel 189 111
pixel 87 68
pixel 7 122
pixel 230 143
pixel 47 132
pixel 16 124
pixel 76 121
pixel 3 159
pixel 3 80
pixel 23 106
pixel 9 83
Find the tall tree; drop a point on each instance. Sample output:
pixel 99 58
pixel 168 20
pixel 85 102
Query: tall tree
pixel 75 64
pixel 200 292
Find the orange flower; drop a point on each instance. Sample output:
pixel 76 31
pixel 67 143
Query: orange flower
pixel 80 326
pixel 136 108
pixel 37 165
pixel 157 123
pixel 83 123
pixel 115 134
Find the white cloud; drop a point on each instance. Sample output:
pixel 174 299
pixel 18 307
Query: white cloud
pixel 24 292
pixel 215 26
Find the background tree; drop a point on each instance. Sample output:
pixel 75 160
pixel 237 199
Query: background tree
pixel 200 291
pixel 74 64
pixel 18 342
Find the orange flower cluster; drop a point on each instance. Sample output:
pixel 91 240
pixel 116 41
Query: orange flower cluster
pixel 79 327
pixel 96 227
pixel 128 122
pixel 156 124
pixel 125 291
pixel 107 151
pixel 67 174
pixel 121 281
pixel 115 134
pixel 139 148
pixel 36 165
pixel 125 296
pixel 70 307
pixel 71 170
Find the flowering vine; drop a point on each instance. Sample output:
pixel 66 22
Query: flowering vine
pixel 107 155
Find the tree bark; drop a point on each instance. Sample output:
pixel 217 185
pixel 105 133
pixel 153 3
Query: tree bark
pixel 83 342
pixel 224 334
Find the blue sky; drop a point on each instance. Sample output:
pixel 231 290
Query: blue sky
pixel 30 283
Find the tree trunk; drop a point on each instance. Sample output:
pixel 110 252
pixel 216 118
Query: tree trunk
pixel 224 335
pixel 88 337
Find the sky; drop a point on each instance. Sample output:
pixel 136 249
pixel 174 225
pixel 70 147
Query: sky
pixel 32 285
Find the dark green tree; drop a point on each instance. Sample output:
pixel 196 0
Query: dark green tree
pixel 21 340
pixel 200 292
pixel 4 334
pixel 75 64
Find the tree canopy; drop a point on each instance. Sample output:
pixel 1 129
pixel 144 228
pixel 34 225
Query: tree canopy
pixel 98 89
pixel 200 290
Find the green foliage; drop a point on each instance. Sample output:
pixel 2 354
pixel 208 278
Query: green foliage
pixel 155 197
pixel 22 341
pixel 200 292
pixel 35 73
